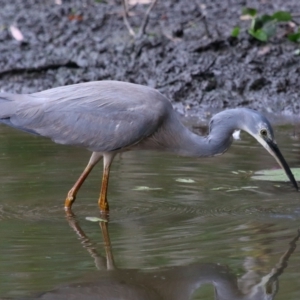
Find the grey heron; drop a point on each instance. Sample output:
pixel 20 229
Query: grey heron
pixel 109 117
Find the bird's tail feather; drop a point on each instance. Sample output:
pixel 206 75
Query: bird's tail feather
pixel 7 105
pixel 8 110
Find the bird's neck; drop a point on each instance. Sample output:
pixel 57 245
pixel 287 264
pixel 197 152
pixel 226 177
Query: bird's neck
pixel 198 146
pixel 216 142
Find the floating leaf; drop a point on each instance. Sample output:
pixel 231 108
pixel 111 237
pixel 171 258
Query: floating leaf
pixel 275 175
pixel 185 180
pixel 282 16
pixel 145 188
pixel 235 31
pixel 250 187
pixel 219 188
pixel 242 188
pixel 249 11
pixel 233 190
pixel 95 219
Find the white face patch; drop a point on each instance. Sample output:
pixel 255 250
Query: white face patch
pixel 236 135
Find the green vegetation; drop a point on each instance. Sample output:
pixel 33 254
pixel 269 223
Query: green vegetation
pixel 263 27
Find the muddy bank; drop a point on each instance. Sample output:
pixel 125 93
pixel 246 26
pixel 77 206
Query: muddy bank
pixel 191 59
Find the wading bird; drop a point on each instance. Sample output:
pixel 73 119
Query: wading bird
pixel 109 117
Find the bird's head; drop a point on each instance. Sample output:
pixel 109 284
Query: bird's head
pixel 260 128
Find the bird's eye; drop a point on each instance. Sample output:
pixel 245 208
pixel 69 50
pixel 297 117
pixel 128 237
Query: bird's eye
pixel 264 132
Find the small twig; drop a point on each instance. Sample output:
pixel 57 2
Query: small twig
pixel 125 15
pixel 146 19
pixel 218 32
pixel 203 19
pixel 125 6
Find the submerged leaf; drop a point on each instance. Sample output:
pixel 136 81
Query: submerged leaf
pixel 219 188
pixel 233 190
pixel 145 188
pixel 95 219
pixel 185 180
pixel 250 187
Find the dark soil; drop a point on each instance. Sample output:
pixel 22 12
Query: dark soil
pixel 187 52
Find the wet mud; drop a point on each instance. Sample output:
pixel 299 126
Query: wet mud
pixel 187 51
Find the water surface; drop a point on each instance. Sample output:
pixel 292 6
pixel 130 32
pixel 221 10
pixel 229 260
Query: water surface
pixel 186 236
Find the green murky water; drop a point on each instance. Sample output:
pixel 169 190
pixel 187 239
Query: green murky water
pixel 175 240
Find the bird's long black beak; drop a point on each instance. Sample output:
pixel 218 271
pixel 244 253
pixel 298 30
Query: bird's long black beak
pixel 274 151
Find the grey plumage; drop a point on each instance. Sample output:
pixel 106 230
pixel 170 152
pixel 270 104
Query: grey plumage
pixel 100 116
pixel 107 117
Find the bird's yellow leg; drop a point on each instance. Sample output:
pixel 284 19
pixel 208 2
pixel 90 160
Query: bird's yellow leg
pixel 102 202
pixel 73 191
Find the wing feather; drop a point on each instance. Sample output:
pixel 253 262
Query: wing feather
pixel 100 116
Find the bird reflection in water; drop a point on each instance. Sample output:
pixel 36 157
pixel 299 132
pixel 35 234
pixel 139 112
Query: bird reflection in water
pixel 170 283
